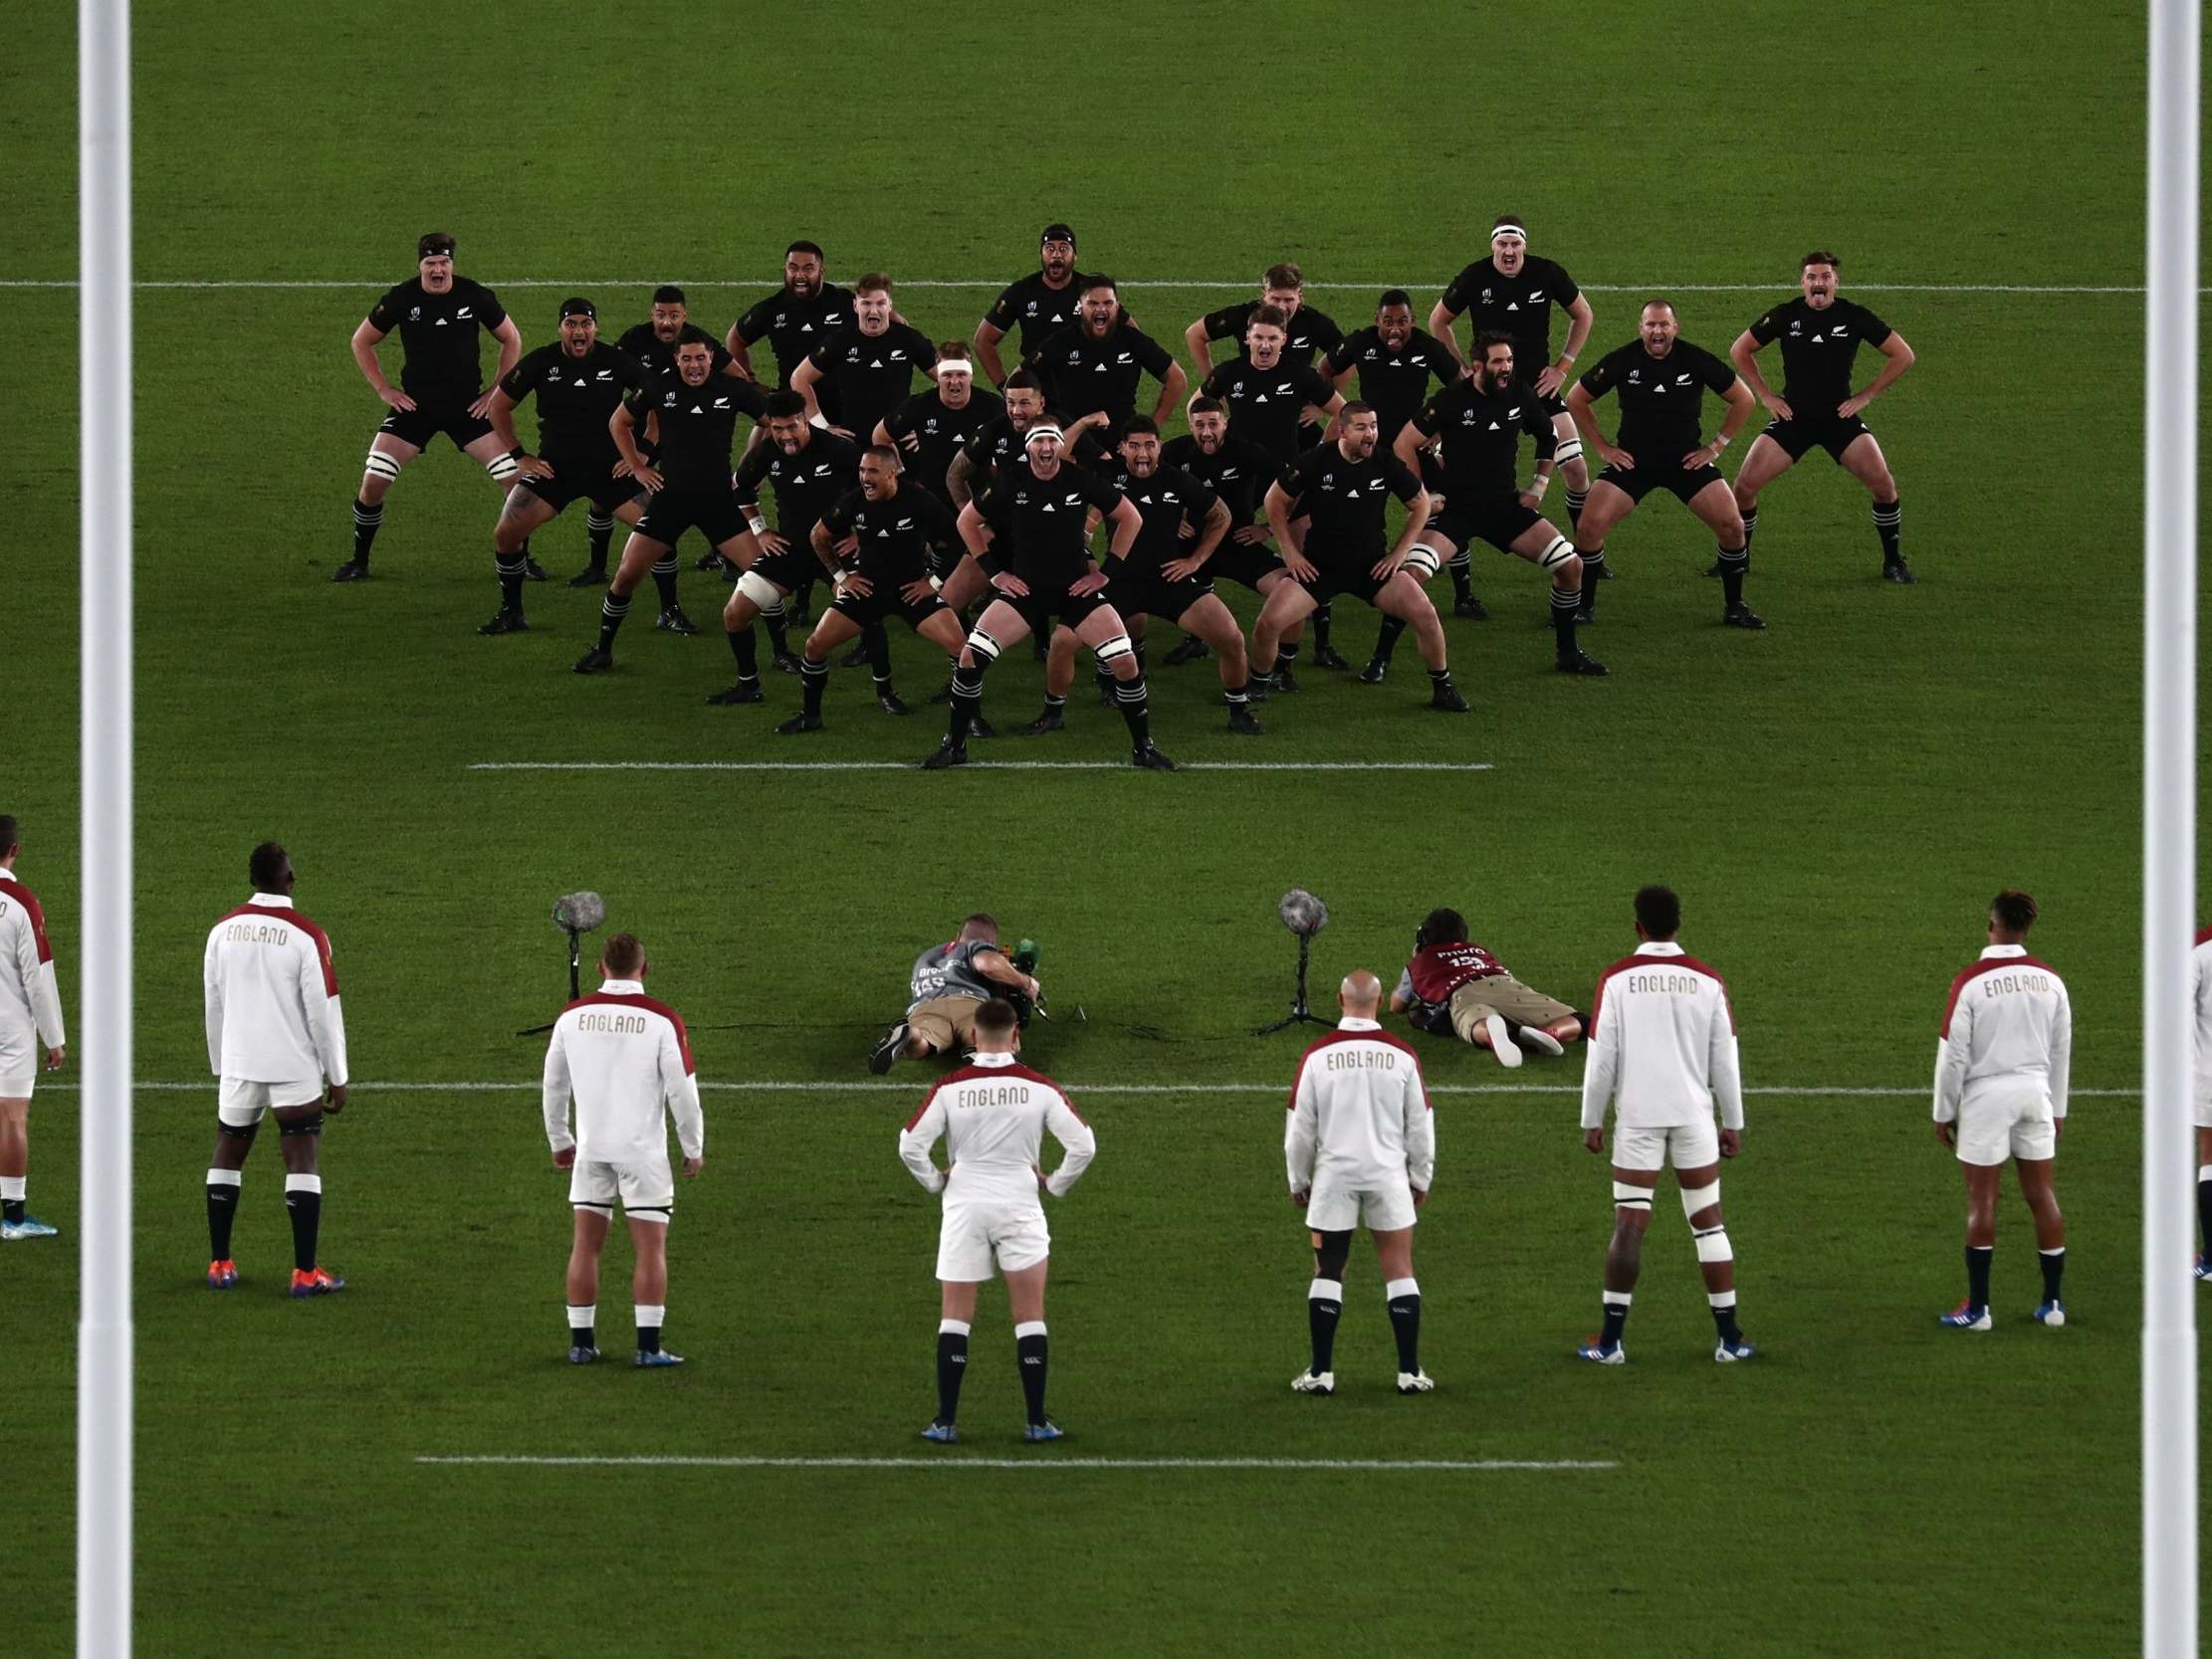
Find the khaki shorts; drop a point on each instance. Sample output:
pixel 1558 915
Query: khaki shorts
pixel 1501 994
pixel 944 1021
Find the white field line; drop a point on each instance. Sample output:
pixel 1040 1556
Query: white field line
pixel 975 766
pixel 871 1086
pixel 1780 286
pixel 1043 1460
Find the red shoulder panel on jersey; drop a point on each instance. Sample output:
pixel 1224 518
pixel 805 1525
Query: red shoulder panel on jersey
pixel 1320 1043
pixel 1726 1001
pixel 1035 1076
pixel 1968 974
pixel 1597 997
pixel 322 940
pixel 959 1074
pixel 2204 935
pixel 32 909
pixel 652 1005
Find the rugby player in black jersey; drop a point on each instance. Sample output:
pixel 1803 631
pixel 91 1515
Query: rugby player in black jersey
pixel 1040 305
pixel 1820 333
pixel 1031 534
pixel 1166 575
pixel 441 382
pixel 1395 363
pixel 695 420
pixel 887 531
pixel 872 362
pixel 1239 472
pixel 809 468
pixel 1661 381
pixel 1339 492
pixel 793 319
pixel 1093 369
pixel 1308 332
pixel 580 382
pixel 1513 291
pixel 1479 423
pixel 1267 393
pixel 930 429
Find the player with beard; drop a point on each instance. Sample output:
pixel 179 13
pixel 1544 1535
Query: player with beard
pixel 1093 369
pixel 809 470
pixel 1164 576
pixel 795 319
pixel 653 343
pixel 1821 334
pixel 1395 363
pixel 1267 394
pixel 1512 293
pixel 1239 472
pixel 696 419
pixel 890 529
pixel 441 384
pixel 930 429
pixel 579 384
pixel 872 362
pixel 1480 422
pixel 1031 534
pixel 999 440
pixel 1661 381
pixel 1040 305
pixel 1340 490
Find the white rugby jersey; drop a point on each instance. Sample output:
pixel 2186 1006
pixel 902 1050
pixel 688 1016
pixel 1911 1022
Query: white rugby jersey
pixel 272 996
pixel 28 997
pixel 2007 1029
pixel 2200 998
pixel 623 1058
pixel 992 1114
pixel 1359 1114
pixel 1663 1044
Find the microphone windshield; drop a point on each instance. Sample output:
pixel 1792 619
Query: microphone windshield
pixel 578 913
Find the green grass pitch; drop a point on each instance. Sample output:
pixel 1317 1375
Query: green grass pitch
pixel 1836 799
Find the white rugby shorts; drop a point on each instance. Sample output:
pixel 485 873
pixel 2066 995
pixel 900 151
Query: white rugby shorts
pixel 19 1064
pixel 241 1102
pixel 2201 1111
pixel 1384 1206
pixel 973 1236
pixel 649 1185
pixel 1683 1146
pixel 2006 1126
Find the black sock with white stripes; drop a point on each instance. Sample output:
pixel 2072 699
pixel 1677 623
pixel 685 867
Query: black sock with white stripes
pixel 664 578
pixel 1750 529
pixel 1574 499
pixel 967 694
pixel 814 679
pixel 601 526
pixel 879 654
pixel 1615 1318
pixel 302 1202
pixel 1404 1321
pixel 1462 575
pixel 1388 636
pixel 1890 526
pixel 1286 655
pixel 511 568
pixel 1593 573
pixel 612 609
pixel 1734 568
pixel 1136 712
pixel 952 1367
pixel 1321 620
pixel 772 616
pixel 366 522
pixel 1565 608
pixel 582 1324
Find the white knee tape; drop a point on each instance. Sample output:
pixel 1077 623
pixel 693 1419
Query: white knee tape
pixel 382 465
pixel 1696 1198
pixel 1422 561
pixel 758 588
pixel 1114 650
pixel 1713 1245
pixel 1628 1196
pixel 1571 450
pixel 1558 553
pixel 503 467
pixel 984 646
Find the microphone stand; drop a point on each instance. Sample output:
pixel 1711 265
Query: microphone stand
pixel 576 989
pixel 1299 1012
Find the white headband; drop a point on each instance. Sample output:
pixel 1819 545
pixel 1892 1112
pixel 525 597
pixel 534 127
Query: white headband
pixel 953 365
pixel 1043 429
pixel 1509 230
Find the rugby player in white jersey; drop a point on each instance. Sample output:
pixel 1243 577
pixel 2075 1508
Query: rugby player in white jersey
pixel 625 1059
pixel 1662 1054
pixel 2200 1091
pixel 30 1015
pixel 2001 1067
pixel 1360 1145
pixel 993 1115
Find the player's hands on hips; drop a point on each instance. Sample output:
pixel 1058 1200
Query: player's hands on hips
pixel 529 468
pixel 398 399
pixel 481 407
pixel 854 584
pixel 1301 568
pixel 911 443
pixel 1615 456
pixel 1549 379
pixel 646 478
pixel 1852 405
pixel 335 1103
pixel 846 549
pixel 566 1158
pixel 692 1167
pixel 1946 1133
pixel 1181 569
pixel 916 590
pixel 56 1056
pixel 1387 566
pixel 1010 585
pixel 1698 459
pixel 1731 1142
pixel 1780 411
pixel 1189 532
pixel 770 543
pixel 1530 500
pixel 1248 535
pixel 1084 586
pixel 1593 1140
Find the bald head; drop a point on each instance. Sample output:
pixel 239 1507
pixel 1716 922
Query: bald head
pixel 1360 995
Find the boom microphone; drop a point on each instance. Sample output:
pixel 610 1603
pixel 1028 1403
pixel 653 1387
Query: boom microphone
pixel 579 912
